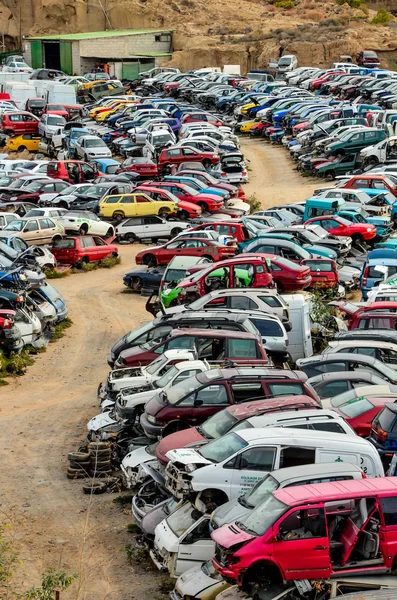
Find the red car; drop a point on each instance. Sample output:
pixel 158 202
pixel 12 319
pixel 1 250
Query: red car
pixel 213 344
pixel 378 315
pixel 56 109
pixel 186 210
pixel 175 156
pixel 143 166
pixel 224 421
pixel 287 275
pixel 330 76
pixel 233 228
pixel 73 171
pixel 360 413
pixel 33 191
pixel 86 248
pixel 18 123
pixel 205 177
pixel 206 202
pixel 161 255
pixel 378 182
pixel 225 274
pixel 324 272
pixel 199 117
pixel 339 226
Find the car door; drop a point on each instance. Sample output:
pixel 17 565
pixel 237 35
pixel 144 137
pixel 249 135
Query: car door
pixel 47 230
pixel 101 247
pixel 195 547
pixel 89 248
pixel 302 545
pixel 172 249
pixel 31 232
pixel 144 205
pixel 246 468
pixel 155 227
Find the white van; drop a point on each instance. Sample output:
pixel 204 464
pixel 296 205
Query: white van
pixel 318 420
pixel 287 63
pixel 19 92
pixel 231 465
pixel 300 336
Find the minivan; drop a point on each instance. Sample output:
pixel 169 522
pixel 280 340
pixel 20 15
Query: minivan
pixel 313 532
pixel 231 465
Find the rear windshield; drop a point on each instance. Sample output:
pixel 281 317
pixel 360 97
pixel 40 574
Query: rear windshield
pixel 373 271
pixel 385 419
pixel 319 265
pixel 174 275
pixel 356 407
pixel 264 327
pixel 63 244
pixel 52 166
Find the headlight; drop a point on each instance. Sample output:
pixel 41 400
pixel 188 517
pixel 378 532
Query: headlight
pixel 369 229
pixel 152 420
pixel 190 468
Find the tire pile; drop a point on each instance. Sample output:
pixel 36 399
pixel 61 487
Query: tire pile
pixel 93 460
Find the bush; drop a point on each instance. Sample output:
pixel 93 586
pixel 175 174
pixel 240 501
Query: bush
pixel 55 274
pixel 254 203
pixel 284 4
pixel 382 17
pixel 352 3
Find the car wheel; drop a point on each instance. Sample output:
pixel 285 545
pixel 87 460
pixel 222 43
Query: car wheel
pixel 184 214
pixel 56 238
pixel 208 258
pixel 115 254
pixel 203 206
pixel 149 260
pixel 164 212
pixel 63 204
pixel 21 148
pixel 176 230
pixel 357 238
pixel 206 163
pixel 110 232
pixel 47 266
pixel 118 217
pixel 136 284
pixel 130 238
pixel 372 161
pixel 330 175
pixel 83 229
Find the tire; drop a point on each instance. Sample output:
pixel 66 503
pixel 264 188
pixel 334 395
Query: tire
pixel 206 163
pixel 102 474
pixel 136 284
pixel 339 153
pixel 261 575
pixel 85 158
pixel 203 206
pixel 149 260
pixel 330 175
pixel 100 462
pixel 56 238
pixel 372 161
pixel 79 456
pixel 164 212
pixel 176 230
pixel 118 217
pixel 83 229
pixel 110 232
pixel 96 487
pixel 184 214
pixel 76 474
pixel 79 466
pixel 209 258
pixel 48 266
pixel 21 148
pixel 93 446
pixel 357 238
pixel 130 238
pixel 63 204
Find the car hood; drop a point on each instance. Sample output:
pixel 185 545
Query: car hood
pixel 229 513
pixel 187 457
pixel 179 439
pixel 137 457
pixel 230 535
pixel 100 421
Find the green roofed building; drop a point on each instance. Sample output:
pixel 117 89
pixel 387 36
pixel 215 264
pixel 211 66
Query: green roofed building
pixel 127 52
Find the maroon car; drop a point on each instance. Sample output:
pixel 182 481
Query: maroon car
pixel 161 255
pixel 225 420
pixel 143 166
pixel 288 276
pixel 194 400
pixel 214 345
pixel 177 155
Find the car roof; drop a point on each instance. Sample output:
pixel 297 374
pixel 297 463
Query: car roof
pixel 228 314
pixel 215 333
pixel 336 490
pixel 258 407
pixel 313 470
pixel 298 436
pixel 363 343
pixel 338 356
pixel 250 372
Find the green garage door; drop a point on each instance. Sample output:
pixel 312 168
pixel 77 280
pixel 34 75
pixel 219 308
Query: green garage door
pixel 65 54
pixel 130 71
pixel 36 50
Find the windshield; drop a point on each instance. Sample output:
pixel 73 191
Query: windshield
pixel 18 183
pixel 56 121
pixel 136 333
pixel 34 187
pixel 15 226
pixel 95 191
pixel 356 407
pixel 94 143
pixel 261 490
pixel 263 517
pixel 218 424
pixel 174 275
pixel 220 450
pixel 182 519
pixel 166 378
pixel 162 138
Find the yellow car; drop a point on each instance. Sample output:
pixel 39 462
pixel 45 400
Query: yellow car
pixel 89 85
pixel 134 205
pixel 102 115
pixel 247 107
pixel 27 141
pixel 245 126
pixel 106 104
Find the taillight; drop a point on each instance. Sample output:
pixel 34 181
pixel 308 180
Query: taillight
pixel 380 433
pixel 365 276
pixel 244 173
pixel 363 475
pixel 303 274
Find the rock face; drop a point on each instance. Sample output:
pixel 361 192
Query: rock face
pixel 215 32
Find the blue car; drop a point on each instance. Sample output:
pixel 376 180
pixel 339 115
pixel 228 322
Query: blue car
pixel 370 276
pixel 144 280
pixel 107 166
pixel 198 185
pixel 54 297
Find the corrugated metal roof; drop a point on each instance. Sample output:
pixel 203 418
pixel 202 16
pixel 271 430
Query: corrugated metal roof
pixel 91 35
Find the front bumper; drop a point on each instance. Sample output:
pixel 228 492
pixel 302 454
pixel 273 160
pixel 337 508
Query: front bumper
pixel 160 561
pixel 152 431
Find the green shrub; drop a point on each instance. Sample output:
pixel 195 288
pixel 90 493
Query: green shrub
pixel 382 17
pixel 254 203
pixel 284 4
pixel 55 274
pixel 352 3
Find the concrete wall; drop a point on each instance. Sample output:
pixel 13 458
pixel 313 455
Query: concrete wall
pixel 27 55
pixel 124 46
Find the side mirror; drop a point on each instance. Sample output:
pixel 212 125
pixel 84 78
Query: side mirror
pixel 198 403
pixel 279 537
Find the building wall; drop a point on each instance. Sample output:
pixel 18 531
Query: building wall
pixel 76 58
pixel 27 55
pixel 125 46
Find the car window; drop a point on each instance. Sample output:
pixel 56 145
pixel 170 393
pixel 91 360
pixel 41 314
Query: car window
pixel 208 396
pixel 267 327
pixel 240 348
pixel 86 242
pixel 330 367
pixel 257 459
pixel 46 224
pixel 112 199
pixel 293 456
pixel 286 389
pixel 244 391
pixel 303 524
pixel 389 509
pixel 99 241
pixel 333 388
pixel 270 301
pixel 31 226
pixel 242 302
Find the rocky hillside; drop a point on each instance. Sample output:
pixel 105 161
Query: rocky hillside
pixel 218 32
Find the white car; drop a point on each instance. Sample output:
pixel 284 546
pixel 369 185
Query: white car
pixel 65 197
pixel 208 235
pixel 17 67
pixel 53 213
pixel 151 227
pixel 90 147
pixel 49 124
pixel 6 217
pixel 44 257
pixel 83 222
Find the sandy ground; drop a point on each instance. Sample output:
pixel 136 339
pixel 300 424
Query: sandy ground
pixel 43 416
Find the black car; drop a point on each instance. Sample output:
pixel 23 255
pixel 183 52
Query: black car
pixel 144 279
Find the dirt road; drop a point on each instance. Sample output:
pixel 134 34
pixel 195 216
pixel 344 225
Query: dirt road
pixel 43 416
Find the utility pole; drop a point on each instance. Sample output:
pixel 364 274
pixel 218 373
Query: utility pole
pixel 107 20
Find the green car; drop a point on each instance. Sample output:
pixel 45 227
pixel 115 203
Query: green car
pixel 169 294
pixel 339 166
pixel 355 141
